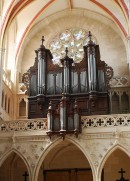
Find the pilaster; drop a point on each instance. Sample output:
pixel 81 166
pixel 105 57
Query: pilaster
pixel 128 51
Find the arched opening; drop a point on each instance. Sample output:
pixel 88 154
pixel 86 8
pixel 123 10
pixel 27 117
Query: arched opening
pixel 13 168
pixel 115 103
pixel 5 106
pixel 65 162
pixel 22 108
pixel 8 110
pixel 3 96
pixel 117 166
pixel 125 103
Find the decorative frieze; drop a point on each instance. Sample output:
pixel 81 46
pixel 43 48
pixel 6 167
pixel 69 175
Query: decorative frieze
pixel 106 120
pixel 23 125
pixel 119 81
pixel 87 122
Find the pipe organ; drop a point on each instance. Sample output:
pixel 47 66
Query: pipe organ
pixel 64 92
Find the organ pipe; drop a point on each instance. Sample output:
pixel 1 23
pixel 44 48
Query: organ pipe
pixel 67 63
pixel 92 79
pixel 41 69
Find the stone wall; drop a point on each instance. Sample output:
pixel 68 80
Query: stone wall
pixel 96 148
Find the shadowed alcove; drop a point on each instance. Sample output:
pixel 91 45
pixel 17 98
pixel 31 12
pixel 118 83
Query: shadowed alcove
pixel 116 162
pixel 13 168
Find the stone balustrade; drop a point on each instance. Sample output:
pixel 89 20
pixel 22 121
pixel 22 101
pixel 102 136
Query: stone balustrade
pixel 23 125
pixel 87 122
pixel 106 120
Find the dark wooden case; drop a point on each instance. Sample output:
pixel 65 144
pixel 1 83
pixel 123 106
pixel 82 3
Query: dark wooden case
pixel 86 83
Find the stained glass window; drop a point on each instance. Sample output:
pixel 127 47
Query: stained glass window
pixel 74 40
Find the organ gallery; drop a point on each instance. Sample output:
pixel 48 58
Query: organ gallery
pixel 68 90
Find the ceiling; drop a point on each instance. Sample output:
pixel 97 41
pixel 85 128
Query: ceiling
pixel 31 15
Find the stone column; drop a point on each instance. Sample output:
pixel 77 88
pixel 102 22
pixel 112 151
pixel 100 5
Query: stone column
pixel 15 77
pixel 2 51
pixel 120 107
pixel 128 50
pixel 128 37
pixel 110 98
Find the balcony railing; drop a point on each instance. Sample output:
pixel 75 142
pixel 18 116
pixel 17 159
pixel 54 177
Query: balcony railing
pixel 86 121
pixel 23 125
pixel 106 120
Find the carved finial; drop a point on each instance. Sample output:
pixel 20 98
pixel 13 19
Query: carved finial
pixel 42 39
pixel 90 41
pixel 66 51
pixel 90 36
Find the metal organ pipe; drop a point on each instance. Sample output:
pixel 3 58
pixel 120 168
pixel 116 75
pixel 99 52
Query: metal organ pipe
pixel 63 114
pixel 76 117
pixel 38 76
pixel 49 117
pixel 67 63
pixel 41 77
pixel 41 69
pixel 66 78
pixel 92 72
pixel 91 65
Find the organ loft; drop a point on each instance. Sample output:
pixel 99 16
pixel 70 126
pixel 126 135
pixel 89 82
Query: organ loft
pixel 64 92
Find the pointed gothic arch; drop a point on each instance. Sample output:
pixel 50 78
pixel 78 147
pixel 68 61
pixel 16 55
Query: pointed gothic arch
pixel 8 153
pixel 109 153
pixel 54 144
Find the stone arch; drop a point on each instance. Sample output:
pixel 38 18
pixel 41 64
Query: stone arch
pixel 13 150
pixel 53 144
pixel 108 153
pixel 8 45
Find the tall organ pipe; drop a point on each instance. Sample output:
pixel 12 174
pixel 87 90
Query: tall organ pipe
pixel 92 70
pixel 63 113
pixel 67 63
pixel 41 70
pixel 41 75
pixel 92 79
